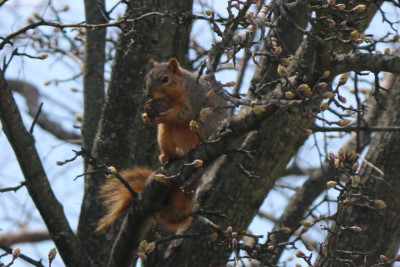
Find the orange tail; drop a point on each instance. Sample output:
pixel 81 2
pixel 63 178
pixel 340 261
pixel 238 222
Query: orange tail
pixel 116 198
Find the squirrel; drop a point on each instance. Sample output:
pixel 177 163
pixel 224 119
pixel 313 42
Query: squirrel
pixel 176 98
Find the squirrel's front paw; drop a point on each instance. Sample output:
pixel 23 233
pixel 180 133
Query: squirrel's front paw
pixel 166 116
pixel 146 119
pixel 163 158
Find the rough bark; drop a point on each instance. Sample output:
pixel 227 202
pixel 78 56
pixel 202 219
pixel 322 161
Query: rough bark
pixel 93 75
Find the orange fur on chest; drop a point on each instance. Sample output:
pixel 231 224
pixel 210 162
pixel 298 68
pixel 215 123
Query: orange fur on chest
pixel 173 136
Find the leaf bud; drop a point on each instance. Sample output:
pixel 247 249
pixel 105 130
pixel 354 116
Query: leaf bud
pixel 271 248
pixel 354 35
pixel 16 252
pixel 344 123
pixel 230 84
pixel 52 254
pixel 282 71
pixel 331 184
pixel 383 258
pixel 331 22
pixel 112 170
pixel 328 95
pixel 205 112
pixel 326 74
pixel 323 85
pixel 43 56
pixel 386 51
pixel 324 106
pixel 359 8
pixel 285 62
pixel 351 155
pixel 210 93
pixel 340 6
pixel 341 154
pixel 193 125
pixel 289 95
pixel 379 204
pixel 286 230
pixel 197 163
pixel 304 89
pixel 343 79
pixel 355 181
pixel 209 12
pixel 355 229
pixel 331 156
pixel 342 99
pixel 143 245
pixel 300 254
pixel 160 178
pixel 249 15
pixel 306 223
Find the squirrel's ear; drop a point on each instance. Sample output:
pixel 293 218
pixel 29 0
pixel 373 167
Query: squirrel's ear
pixel 153 63
pixel 173 65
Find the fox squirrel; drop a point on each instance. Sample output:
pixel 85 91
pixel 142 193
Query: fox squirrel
pixel 176 98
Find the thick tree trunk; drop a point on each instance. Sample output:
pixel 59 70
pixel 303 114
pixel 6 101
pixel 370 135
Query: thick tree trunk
pixel 123 140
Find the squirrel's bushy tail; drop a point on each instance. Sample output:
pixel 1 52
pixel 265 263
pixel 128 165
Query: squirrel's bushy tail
pixel 115 196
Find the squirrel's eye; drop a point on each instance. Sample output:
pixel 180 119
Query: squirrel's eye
pixel 165 79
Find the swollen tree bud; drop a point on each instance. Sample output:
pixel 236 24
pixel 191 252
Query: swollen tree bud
pixel 324 106
pixel 306 223
pixel 379 204
pixel 331 184
pixel 289 95
pixel 282 71
pixel 326 74
pixel 209 12
pixel 16 252
pixel 343 79
pixel 300 254
pixel 355 181
pixel 344 123
pixel 359 8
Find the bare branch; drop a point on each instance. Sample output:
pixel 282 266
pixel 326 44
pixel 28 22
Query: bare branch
pixel 366 62
pixel 9 239
pixel 36 180
pixel 32 95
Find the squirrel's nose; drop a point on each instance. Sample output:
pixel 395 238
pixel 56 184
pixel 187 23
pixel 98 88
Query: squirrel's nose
pixel 149 94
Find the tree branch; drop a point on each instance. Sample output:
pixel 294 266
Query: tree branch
pixel 366 62
pixel 36 180
pixel 9 239
pixel 32 95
